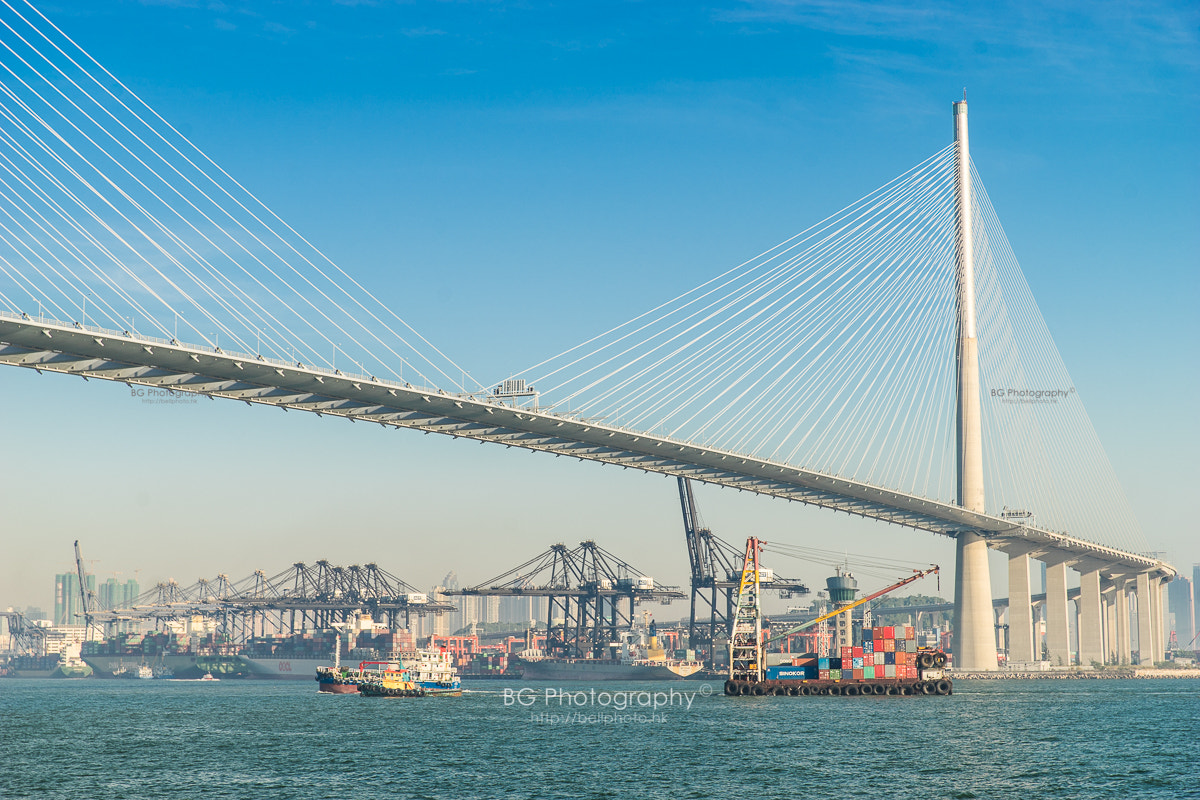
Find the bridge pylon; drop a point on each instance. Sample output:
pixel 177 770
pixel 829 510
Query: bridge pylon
pixel 974 637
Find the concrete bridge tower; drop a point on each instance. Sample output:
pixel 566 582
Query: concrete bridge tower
pixel 974 637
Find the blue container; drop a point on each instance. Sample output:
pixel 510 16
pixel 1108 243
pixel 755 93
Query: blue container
pixel 787 672
pixel 889 658
pixel 823 663
pixel 835 663
pixel 856 663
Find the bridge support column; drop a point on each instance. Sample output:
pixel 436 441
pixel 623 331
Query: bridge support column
pixel 1020 611
pixel 1121 606
pixel 974 640
pixel 1091 640
pixel 1158 652
pixel 1109 598
pixel 1145 621
pixel 1058 635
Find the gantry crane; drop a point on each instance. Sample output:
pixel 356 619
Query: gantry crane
pixel 715 575
pixel 85 597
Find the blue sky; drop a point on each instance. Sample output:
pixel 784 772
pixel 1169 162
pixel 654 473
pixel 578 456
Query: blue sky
pixel 513 178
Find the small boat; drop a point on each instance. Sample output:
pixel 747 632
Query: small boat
pixel 135 671
pixel 419 673
pixel 208 676
pixel 391 681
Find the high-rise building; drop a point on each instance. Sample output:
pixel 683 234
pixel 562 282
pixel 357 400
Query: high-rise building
pixel 1196 596
pixel 1181 607
pixel 68 604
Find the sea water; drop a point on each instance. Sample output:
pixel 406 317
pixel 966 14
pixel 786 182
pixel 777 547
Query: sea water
pixel 249 739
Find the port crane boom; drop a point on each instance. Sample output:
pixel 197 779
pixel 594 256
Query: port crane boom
pixel 918 574
pixel 84 594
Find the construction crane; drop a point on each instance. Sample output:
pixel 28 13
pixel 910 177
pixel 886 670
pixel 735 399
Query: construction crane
pixel 84 595
pixel 714 575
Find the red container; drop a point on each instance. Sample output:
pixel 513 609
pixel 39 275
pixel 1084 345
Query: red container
pixel 857 653
pixel 823 674
pixel 889 645
pixel 858 674
pixel 910 632
pixel 889 632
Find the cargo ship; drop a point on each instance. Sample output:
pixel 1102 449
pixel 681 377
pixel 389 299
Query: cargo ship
pixel 164 653
pixel 605 669
pixel 635 660
pixel 51 666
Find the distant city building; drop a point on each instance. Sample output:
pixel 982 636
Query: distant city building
pixel 68 604
pixel 1195 593
pixel 115 594
pixel 1181 605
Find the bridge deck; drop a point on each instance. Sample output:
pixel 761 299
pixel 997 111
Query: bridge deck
pixel 135 359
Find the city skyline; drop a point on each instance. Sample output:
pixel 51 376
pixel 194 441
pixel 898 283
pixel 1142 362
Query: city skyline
pixel 555 153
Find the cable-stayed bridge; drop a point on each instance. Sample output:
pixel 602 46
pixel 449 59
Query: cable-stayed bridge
pixel 888 362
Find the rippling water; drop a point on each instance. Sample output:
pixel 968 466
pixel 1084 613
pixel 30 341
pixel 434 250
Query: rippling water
pixel 243 739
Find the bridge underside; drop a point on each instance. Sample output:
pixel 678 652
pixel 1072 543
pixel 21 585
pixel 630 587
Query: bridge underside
pixel 133 359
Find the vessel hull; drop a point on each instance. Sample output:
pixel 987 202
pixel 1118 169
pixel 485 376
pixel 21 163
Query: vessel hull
pixel 549 669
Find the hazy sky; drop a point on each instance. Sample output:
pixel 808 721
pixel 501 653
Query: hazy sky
pixel 514 178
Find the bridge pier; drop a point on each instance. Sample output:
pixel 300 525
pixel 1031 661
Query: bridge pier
pixel 1020 611
pixel 1121 606
pixel 974 637
pixel 1145 620
pixel 1091 624
pixel 1058 636
pixel 1159 619
pixel 1108 599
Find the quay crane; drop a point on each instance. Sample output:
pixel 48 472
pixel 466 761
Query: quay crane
pixel 714 576
pixel 85 597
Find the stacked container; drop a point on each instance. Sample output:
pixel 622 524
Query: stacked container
pixel 893 651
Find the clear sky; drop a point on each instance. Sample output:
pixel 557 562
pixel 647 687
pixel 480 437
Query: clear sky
pixel 515 177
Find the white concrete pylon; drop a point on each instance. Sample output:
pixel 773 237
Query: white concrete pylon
pixel 974 640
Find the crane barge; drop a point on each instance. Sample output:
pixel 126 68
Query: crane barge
pixel 896 665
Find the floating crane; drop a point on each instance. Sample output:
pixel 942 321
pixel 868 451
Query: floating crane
pixel 747 647
pixel 918 574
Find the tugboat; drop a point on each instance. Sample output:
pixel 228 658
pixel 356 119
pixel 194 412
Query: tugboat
pixel 420 673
